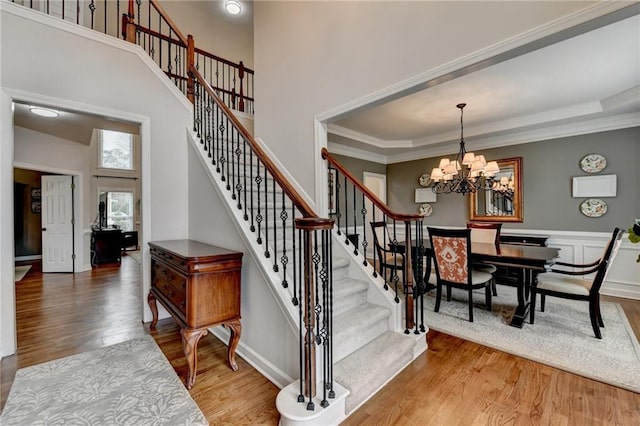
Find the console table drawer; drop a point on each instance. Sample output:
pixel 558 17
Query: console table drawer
pixel 171 284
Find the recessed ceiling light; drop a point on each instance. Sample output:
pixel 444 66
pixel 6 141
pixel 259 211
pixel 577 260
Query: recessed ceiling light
pixel 44 112
pixel 233 7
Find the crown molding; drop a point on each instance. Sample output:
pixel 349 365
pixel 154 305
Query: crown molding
pixel 360 154
pixel 369 140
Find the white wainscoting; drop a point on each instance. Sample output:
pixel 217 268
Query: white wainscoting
pixel 623 280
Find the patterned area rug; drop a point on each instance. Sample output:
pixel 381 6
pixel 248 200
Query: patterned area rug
pixel 131 383
pixel 561 336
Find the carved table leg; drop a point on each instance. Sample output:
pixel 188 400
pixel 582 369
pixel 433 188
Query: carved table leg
pixel 190 339
pixel 151 299
pixel 235 329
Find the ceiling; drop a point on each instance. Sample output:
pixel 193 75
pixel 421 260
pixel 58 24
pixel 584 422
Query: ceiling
pixel 580 84
pixel 582 81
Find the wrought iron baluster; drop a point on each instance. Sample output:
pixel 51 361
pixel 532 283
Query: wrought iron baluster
pixel 232 166
pixel 267 254
pixel 252 180
pixel 364 243
pixel 375 257
pixel 92 12
pixel 209 137
pixel 258 182
pixel 237 174
pixel 275 227
pixel 346 211
pixel 301 341
pixel 295 256
pixel 244 165
pixel 284 259
pixel 337 202
pixel 394 245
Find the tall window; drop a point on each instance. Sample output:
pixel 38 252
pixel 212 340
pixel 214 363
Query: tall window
pixel 120 210
pixel 116 150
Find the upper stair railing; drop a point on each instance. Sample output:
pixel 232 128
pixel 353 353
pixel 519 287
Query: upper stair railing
pixel 365 221
pixel 148 25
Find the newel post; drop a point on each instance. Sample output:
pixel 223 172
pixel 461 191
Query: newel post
pixel 241 76
pixel 128 23
pixel 408 273
pixel 312 256
pixel 190 65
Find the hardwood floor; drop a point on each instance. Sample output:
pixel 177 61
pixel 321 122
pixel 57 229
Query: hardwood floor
pixel 454 382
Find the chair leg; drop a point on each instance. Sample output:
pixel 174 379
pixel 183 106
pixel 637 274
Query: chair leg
pixel 487 297
pixel 542 300
pixel 593 314
pixel 493 286
pixel 470 305
pixel 532 305
pixel 438 296
pixel 600 322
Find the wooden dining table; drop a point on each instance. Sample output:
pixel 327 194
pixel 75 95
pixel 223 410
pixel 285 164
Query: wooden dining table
pixel 527 260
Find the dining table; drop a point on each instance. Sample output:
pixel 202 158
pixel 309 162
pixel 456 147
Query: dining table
pixel 527 260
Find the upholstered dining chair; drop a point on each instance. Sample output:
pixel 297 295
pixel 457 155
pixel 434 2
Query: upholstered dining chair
pixel 390 262
pixel 452 260
pixel 576 284
pixel 486 233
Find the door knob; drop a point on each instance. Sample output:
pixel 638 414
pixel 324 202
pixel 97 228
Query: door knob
pixel 44 229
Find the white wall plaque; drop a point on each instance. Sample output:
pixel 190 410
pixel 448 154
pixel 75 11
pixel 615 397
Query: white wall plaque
pixel 425 195
pixel 594 186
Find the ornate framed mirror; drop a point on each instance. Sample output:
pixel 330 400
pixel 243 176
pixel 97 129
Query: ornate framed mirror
pixel 503 203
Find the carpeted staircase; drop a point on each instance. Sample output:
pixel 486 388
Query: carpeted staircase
pixel 368 351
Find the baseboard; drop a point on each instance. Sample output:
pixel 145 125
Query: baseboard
pixel 267 369
pixel 26 258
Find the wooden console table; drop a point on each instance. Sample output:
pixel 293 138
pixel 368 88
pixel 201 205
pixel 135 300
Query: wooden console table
pixel 199 285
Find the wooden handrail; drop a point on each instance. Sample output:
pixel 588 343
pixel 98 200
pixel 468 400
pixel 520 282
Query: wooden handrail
pixel 297 200
pixel 370 195
pixel 172 24
pixel 224 61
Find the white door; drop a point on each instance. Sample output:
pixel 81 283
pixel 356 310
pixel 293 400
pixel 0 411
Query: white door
pixel 376 183
pixel 57 223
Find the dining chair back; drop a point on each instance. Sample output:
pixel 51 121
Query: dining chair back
pixel 486 233
pixel 452 260
pixel 390 262
pixel 578 282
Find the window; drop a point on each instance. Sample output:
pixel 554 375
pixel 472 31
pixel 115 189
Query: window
pixel 120 210
pixel 116 150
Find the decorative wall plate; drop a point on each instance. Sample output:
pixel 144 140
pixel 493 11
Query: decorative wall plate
pixel 593 163
pixel 426 209
pixel 424 179
pixel 593 207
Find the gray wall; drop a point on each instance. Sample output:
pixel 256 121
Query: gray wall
pixel 548 167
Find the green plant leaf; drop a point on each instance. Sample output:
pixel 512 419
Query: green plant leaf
pixel 633 237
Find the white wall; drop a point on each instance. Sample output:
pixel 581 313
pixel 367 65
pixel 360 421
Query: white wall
pixel 119 81
pixel 312 57
pixel 267 342
pixel 210 32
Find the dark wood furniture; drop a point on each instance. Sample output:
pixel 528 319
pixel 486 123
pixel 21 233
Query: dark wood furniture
pixel 527 260
pixel 506 275
pixel 199 285
pixel 574 283
pixel 105 245
pixel 456 271
pixel 129 240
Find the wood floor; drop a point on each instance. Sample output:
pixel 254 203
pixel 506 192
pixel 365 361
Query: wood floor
pixel 454 383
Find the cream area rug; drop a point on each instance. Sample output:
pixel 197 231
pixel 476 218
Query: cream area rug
pixel 130 383
pixel 21 271
pixel 561 336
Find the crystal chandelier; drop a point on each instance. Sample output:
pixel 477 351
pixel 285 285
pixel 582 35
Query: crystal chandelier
pixel 466 173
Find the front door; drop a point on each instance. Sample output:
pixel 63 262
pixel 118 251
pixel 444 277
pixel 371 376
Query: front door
pixel 57 223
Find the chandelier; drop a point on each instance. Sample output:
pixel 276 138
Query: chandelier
pixel 465 173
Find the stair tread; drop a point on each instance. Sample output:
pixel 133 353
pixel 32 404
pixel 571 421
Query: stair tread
pixel 365 370
pixel 360 316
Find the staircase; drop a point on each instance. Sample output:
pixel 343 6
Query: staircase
pixel 369 347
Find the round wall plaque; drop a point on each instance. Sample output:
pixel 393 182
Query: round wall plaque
pixel 593 163
pixel 593 207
